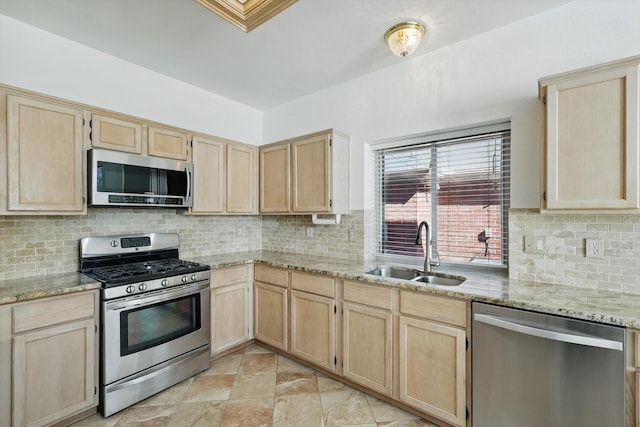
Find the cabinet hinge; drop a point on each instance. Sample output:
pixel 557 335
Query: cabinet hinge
pixel 335 360
pixel 335 309
pixel 467 412
pixel 466 343
pixel 544 100
pixel 330 203
pixel 95 390
pixel 330 142
pixel 95 327
pixel 544 196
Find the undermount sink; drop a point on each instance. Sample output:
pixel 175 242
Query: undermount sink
pixel 439 280
pixel 395 273
pixel 417 276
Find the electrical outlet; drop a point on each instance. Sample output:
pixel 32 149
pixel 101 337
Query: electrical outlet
pixel 309 231
pixel 535 244
pixel 594 248
pixel 238 231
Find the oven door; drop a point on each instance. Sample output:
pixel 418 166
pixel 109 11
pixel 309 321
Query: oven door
pixel 145 330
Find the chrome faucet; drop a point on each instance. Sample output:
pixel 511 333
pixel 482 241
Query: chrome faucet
pixel 428 262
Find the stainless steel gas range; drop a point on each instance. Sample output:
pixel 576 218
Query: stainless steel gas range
pixel 155 329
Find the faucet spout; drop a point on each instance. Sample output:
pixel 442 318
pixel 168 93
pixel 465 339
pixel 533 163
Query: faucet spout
pixel 427 256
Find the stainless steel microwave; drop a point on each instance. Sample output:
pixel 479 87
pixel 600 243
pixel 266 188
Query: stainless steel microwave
pixel 123 179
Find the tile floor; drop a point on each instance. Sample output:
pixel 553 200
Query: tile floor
pixel 256 387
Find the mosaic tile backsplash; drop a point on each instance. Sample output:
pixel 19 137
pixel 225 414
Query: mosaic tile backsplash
pixel 38 245
pixel 563 260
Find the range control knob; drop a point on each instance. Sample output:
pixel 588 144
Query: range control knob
pixel 142 286
pixel 184 279
pixel 130 289
pixel 194 277
pixel 164 282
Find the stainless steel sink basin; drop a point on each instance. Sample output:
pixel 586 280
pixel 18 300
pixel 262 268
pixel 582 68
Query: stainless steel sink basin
pixel 395 273
pixel 417 276
pixel 439 280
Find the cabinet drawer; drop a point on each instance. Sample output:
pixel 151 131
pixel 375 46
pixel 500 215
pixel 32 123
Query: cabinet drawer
pixel 272 275
pixel 51 311
pixel 435 308
pixel 229 275
pixel 375 296
pixel 319 285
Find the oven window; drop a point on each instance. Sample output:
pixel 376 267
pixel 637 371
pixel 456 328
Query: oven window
pixel 152 325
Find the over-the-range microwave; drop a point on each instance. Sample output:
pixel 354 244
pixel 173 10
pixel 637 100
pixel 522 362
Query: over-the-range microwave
pixel 123 179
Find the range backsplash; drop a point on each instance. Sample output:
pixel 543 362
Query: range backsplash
pixel 564 262
pixel 33 246
pixel 40 245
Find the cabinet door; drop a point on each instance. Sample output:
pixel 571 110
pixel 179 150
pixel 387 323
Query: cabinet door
pixel 367 347
pixel 241 179
pixel 115 134
pixel 433 369
pixel 230 316
pixel 310 176
pixel 275 191
pixel 45 157
pixel 271 315
pixel 313 329
pixel 592 141
pixel 167 143
pixel 208 176
pixel 53 373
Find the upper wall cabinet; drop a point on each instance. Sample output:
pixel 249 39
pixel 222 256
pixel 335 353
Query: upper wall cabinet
pixel 42 166
pixel 225 177
pixel 126 134
pixel 590 127
pixel 304 175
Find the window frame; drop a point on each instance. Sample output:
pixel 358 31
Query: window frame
pixel 439 139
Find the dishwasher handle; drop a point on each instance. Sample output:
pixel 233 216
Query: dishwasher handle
pixel 548 334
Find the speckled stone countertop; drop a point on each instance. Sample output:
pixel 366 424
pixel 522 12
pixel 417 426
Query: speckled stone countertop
pixel 29 288
pixel 614 308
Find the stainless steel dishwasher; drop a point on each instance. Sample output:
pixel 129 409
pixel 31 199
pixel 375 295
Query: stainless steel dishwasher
pixel 532 369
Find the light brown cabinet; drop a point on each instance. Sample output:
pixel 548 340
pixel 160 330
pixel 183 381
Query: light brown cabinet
pixel 271 306
pixel 308 174
pixel 124 133
pixel 432 355
pixel 313 319
pixel 231 315
pixel 42 164
pixel 165 142
pixel 591 137
pixel 225 177
pixel 116 134
pixel 367 336
pixel 54 368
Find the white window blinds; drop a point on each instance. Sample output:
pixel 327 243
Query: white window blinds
pixel 459 185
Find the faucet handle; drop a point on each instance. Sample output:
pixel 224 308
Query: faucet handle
pixel 435 260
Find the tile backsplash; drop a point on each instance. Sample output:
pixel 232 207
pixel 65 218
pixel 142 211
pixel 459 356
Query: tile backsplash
pixel 563 259
pixel 37 245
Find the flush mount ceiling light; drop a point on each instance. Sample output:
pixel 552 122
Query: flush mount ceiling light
pixel 246 14
pixel 405 37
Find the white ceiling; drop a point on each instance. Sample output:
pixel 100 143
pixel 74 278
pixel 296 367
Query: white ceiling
pixel 311 45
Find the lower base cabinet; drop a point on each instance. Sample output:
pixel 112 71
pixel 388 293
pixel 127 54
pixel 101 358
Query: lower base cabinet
pixel 230 307
pixel 433 368
pixel 271 315
pixel 53 369
pixel 313 329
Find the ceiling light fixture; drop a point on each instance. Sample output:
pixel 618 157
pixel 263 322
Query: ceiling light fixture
pixel 405 37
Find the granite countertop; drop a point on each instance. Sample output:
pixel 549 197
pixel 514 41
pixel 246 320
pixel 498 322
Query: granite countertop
pixel 609 307
pixel 30 288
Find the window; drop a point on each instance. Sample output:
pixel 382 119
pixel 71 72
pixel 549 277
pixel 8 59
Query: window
pixel 458 183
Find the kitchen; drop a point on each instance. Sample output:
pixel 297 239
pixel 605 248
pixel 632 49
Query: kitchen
pixel 465 74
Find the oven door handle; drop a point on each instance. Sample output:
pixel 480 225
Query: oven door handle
pixel 164 296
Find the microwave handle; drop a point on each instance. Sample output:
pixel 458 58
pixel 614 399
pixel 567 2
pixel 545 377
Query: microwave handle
pixel 189 178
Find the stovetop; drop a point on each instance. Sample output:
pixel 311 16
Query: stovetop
pixel 127 273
